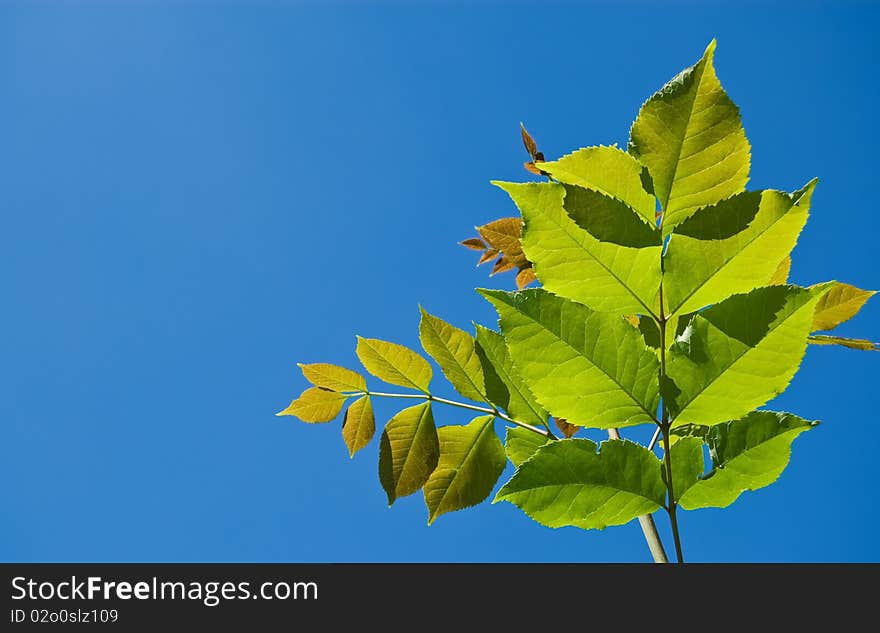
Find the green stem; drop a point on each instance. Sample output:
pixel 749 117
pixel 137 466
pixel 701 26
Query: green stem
pixel 462 405
pixel 671 503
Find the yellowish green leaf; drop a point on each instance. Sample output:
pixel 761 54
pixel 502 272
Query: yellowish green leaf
pixel 839 304
pixel 393 363
pixel 453 349
pixel 408 452
pixel 471 460
pixel 333 377
pixel 315 405
pixel 359 425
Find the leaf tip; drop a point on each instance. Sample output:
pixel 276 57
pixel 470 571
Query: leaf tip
pixel 710 49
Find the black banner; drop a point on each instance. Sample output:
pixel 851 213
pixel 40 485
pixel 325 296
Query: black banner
pixel 426 596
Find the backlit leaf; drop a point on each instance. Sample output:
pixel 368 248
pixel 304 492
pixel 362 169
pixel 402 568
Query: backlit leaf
pixel 608 170
pixel 393 363
pixel 408 452
pixel 504 235
pixel 688 465
pixel 839 304
pixel 525 277
pixel 520 444
pixel 780 275
pixel 565 427
pixel 487 256
pixel 620 273
pixel 503 264
pixel 690 136
pixel 474 243
pixel 471 460
pixel 315 405
pixel 852 343
pixel 569 483
pixel 359 425
pixel 747 454
pixel 731 247
pixel 581 365
pixel 453 349
pixel 333 377
pixel 505 388
pixel 740 353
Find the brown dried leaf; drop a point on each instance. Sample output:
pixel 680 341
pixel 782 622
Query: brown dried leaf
pixel 525 277
pixel 488 255
pixel 528 141
pixel 504 235
pixel 565 427
pixel 502 265
pixel 530 167
pixel 474 243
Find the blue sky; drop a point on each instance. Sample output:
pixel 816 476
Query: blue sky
pixel 195 198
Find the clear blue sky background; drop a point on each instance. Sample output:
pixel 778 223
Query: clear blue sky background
pixel 195 198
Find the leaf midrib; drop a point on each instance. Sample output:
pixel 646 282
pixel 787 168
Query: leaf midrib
pixel 747 350
pixel 687 124
pixel 734 256
pixel 582 355
pixel 461 465
pixel 580 245
pixel 422 415
pixel 459 366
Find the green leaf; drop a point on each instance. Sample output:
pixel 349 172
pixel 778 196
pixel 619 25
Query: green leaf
pixel 615 271
pixel 393 363
pixel 852 343
pixel 453 349
pixel 740 353
pixel 840 304
pixel 746 454
pixel 690 136
pixel 608 170
pixel 780 275
pixel 315 405
pixel 732 247
pixel 471 461
pixel 686 456
pixel 333 377
pixel 521 444
pixel 569 483
pixel 359 425
pixel 408 452
pixel 590 368
pixel 504 386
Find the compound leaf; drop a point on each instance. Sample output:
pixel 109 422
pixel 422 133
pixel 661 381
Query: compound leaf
pixel 408 452
pixel 592 368
pixel 471 461
pixel 569 483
